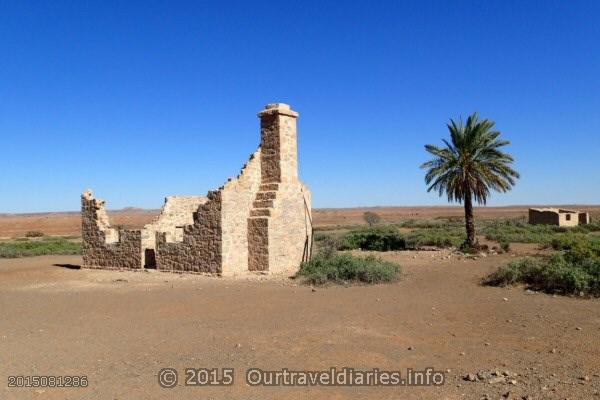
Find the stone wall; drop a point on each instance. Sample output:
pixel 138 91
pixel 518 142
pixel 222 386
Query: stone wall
pixel 238 196
pixel 104 246
pixel 290 229
pixel 544 217
pixel 568 218
pixel 200 249
pixel 177 212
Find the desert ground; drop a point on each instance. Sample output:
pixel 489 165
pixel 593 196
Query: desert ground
pixel 120 328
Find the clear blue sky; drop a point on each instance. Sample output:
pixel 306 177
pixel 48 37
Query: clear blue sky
pixel 138 100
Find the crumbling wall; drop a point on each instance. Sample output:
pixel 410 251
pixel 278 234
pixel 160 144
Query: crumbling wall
pixel 201 247
pixel 102 245
pixel 177 212
pixel 238 196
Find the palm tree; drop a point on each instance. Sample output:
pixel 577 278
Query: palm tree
pixel 470 166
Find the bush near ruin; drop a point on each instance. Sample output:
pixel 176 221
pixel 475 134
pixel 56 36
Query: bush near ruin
pixel 380 238
pixel 328 267
pixel 575 270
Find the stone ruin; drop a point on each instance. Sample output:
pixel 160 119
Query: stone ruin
pixel 259 221
pixel 558 217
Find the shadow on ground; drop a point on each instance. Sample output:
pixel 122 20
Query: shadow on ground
pixel 68 266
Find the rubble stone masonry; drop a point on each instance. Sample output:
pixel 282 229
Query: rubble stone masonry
pixel 103 246
pixel 258 221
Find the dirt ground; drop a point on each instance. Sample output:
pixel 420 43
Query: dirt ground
pixel 120 328
pixel 69 223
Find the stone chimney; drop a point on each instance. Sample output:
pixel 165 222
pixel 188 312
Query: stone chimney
pixel 279 145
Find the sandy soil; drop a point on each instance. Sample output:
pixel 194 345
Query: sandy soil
pixel 69 223
pixel 121 328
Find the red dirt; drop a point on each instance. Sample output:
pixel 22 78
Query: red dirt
pixel 121 328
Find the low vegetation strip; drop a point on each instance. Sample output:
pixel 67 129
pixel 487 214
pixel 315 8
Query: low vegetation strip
pixel 389 238
pixel 450 232
pixel 44 246
pixel 517 230
pixel 331 267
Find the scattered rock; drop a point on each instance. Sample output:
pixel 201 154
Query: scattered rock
pixel 498 379
pixel 471 378
pixel 505 299
pixel 578 328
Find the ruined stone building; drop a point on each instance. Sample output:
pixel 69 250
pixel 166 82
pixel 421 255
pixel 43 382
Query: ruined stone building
pixel 259 221
pixel 558 217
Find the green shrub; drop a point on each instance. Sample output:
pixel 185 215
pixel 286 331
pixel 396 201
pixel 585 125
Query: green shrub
pixel 569 272
pixel 505 246
pixel 380 238
pixel 438 237
pixel 32 234
pixel 44 246
pixel 516 272
pixel 341 268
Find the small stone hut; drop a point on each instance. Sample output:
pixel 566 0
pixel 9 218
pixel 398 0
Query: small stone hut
pixel 558 217
pixel 259 221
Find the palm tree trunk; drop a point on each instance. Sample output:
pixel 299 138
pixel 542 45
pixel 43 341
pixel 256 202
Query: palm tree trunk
pixel 469 220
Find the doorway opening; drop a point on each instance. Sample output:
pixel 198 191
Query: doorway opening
pixel 149 259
